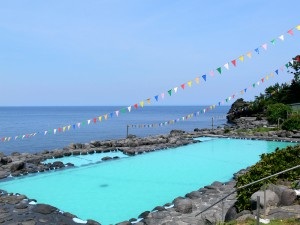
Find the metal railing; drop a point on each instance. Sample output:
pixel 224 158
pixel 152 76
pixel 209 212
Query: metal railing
pixel 244 186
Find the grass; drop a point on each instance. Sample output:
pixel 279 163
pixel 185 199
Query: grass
pixel 272 222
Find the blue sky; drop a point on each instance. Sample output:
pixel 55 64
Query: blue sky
pixel 121 52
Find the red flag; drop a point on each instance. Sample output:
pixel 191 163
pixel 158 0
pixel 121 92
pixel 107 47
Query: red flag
pixel 95 120
pixel 291 32
pixel 182 86
pixel 136 106
pixel 233 62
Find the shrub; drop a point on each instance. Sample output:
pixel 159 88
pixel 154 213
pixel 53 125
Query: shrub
pixel 276 111
pixel 292 123
pixel 269 164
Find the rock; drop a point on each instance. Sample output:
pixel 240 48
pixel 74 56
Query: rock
pixel 183 205
pixel 288 197
pixel 92 222
pixel 21 205
pixel 177 132
pixel 12 199
pixel 272 199
pixel 144 214
pixel 124 223
pixel 57 164
pixel 44 209
pixel 3 174
pixel 106 158
pixel 17 165
pixel 159 208
pixel 284 212
pixel 5 160
pixel 231 214
pixel 194 195
pixel 29 222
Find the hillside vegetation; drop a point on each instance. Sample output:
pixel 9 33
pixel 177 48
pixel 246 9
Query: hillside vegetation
pixel 275 103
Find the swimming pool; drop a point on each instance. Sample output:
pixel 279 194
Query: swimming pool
pixel 118 190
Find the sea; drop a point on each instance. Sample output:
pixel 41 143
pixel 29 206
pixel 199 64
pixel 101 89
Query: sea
pixel 35 129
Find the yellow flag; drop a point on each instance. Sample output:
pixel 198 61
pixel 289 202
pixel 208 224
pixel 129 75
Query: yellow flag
pixel 142 103
pixel 298 27
pixel 241 58
pixel 105 116
pixel 267 77
pixel 100 118
pixel 249 54
pixel 190 83
pixel 64 129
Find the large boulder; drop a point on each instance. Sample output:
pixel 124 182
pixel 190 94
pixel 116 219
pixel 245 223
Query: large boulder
pixel 231 214
pixel 183 205
pixel 17 165
pixel 5 160
pixel 44 209
pixel 288 197
pixel 272 199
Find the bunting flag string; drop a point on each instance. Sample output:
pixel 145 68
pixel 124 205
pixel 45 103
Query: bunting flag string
pixel 227 66
pixel 129 108
pixel 116 113
pixel 211 107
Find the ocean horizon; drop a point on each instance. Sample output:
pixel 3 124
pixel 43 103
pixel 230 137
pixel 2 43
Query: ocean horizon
pixel 37 128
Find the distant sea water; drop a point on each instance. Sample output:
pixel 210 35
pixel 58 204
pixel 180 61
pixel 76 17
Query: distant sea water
pixel 21 122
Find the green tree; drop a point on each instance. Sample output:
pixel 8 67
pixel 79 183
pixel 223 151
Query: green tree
pixel 292 123
pixel 277 111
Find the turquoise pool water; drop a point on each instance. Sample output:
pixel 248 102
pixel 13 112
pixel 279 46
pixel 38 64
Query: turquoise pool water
pixel 118 190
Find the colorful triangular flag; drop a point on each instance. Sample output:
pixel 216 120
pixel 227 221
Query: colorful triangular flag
pixel 257 50
pixel 219 70
pixel 226 65
pixel 190 83
pixel 291 32
pixel 264 46
pixel 281 37
pixel 233 62
pixel 273 41
pixel 170 92
pixel 241 58
pixel 204 77
pixel 156 97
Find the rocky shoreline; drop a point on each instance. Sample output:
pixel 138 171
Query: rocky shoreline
pixel 18 209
